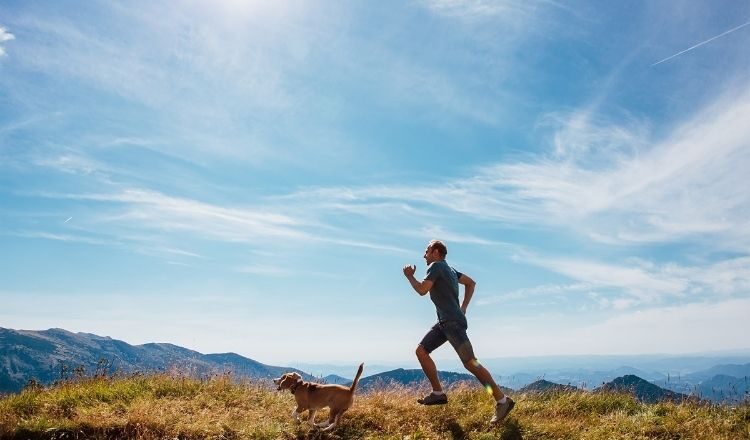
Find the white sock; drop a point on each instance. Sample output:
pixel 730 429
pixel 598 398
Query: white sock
pixel 503 400
pixel 437 393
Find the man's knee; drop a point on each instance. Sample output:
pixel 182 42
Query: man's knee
pixel 471 364
pixel 420 351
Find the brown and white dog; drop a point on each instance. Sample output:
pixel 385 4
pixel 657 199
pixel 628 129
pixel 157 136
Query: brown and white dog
pixel 314 396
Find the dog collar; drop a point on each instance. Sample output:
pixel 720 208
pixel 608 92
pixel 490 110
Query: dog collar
pixel 293 388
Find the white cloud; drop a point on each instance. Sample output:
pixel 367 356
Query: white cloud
pixel 440 233
pixel 477 9
pixel 526 292
pixel 154 210
pixel 610 183
pixel 265 270
pixel 4 36
pixel 689 184
pixel 66 238
pixel 135 210
pixel 641 282
pixel 689 328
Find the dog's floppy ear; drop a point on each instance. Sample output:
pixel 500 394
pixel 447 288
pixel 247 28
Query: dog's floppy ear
pixel 296 376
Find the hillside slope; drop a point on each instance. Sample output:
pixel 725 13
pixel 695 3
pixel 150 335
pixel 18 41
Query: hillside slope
pixel 161 406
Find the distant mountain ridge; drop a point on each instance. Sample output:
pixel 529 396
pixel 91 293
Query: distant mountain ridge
pixel 41 355
pixel 643 390
pixel 47 355
pixel 408 377
pixel 416 377
pixel 545 386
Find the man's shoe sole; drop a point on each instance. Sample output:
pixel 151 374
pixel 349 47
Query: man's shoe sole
pixel 436 402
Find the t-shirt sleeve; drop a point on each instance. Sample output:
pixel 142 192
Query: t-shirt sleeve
pixel 458 274
pixel 433 273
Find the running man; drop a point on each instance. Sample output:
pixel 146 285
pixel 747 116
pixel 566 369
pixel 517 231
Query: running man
pixel 442 281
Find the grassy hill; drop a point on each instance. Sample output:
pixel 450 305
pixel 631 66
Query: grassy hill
pixel 163 406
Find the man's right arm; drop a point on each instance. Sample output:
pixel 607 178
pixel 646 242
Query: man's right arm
pixel 420 287
pixel 469 286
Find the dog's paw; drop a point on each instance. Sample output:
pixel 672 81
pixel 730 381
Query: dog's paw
pixel 322 424
pixel 329 427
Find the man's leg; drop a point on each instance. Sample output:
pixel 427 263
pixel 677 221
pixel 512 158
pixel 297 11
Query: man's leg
pixel 429 368
pixel 432 340
pixel 504 404
pixel 456 334
pixel 484 377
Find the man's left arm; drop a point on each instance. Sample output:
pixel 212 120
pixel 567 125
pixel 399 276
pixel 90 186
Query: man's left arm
pixel 469 286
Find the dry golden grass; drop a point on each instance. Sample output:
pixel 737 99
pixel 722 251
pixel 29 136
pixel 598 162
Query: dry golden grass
pixel 162 406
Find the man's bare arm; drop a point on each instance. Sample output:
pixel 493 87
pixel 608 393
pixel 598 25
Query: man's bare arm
pixel 469 286
pixel 420 287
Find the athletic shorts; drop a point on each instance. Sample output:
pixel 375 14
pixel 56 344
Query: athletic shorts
pixel 450 331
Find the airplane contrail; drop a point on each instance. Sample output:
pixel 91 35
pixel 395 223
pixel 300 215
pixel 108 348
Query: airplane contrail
pixel 702 43
pixel 69 219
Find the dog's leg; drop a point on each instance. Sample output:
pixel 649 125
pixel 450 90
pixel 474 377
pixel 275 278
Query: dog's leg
pixel 295 414
pixel 311 417
pixel 332 421
pixel 323 424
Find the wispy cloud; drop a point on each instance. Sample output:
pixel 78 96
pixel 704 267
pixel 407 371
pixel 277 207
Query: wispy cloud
pixel 4 36
pixel 543 290
pixel 154 210
pixel 441 233
pixel 644 283
pixel 639 190
pixel 132 211
pixel 682 328
pixel 71 162
pixel 639 282
pixel 265 270
pixel 71 238
pixel 476 9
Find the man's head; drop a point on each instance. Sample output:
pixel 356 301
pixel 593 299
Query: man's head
pixel 435 251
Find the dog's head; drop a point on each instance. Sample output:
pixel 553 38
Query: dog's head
pixel 286 381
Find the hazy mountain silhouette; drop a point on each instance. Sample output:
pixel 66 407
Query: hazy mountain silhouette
pixel 544 386
pixel 52 354
pixel 643 390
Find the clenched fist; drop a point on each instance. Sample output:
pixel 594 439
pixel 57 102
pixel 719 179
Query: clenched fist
pixel 409 270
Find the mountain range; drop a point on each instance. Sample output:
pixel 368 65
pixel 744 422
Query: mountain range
pixel 54 354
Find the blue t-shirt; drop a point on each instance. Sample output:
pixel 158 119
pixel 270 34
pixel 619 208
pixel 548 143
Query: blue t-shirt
pixel 444 291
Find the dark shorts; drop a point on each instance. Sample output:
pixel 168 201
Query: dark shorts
pixel 450 331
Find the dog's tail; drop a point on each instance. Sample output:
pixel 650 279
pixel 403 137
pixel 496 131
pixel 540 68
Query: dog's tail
pixel 356 378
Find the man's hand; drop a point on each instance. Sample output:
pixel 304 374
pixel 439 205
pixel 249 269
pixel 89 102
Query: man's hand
pixel 420 287
pixel 409 270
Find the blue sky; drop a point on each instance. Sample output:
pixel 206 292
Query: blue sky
pixel 251 176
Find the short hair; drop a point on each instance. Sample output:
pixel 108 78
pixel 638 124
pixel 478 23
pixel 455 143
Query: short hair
pixel 440 246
